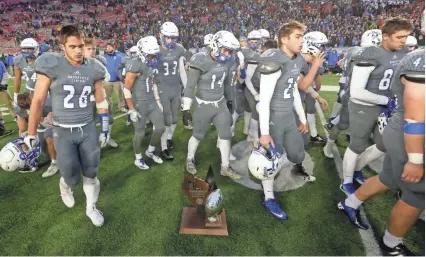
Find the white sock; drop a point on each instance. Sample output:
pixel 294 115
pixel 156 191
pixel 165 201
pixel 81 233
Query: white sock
pixel 151 148
pixel 391 240
pixel 225 151
pixel 247 117
pixel 336 109
pixel 353 201
pixel 110 129
pixel 171 131
pixel 153 127
pixel 91 187
pixel 138 156
pixel 349 162
pixel 370 154
pixel 336 120
pixel 312 124
pixel 268 188
pixel 254 129
pixel 164 139
pixel 53 162
pixel 192 147
pixel 63 184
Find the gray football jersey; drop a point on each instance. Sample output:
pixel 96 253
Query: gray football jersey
pixel 168 68
pixel 102 59
pixel 412 64
pixel 385 63
pixel 204 49
pixel 250 57
pixel 283 97
pixel 71 87
pixel 143 86
pixel 27 70
pixel 215 79
pixel 347 60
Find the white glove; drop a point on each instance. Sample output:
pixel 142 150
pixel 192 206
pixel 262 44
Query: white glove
pixel 241 58
pixel 31 141
pixel 24 134
pixel 257 107
pixel 256 97
pixel 104 139
pixel 15 99
pixel 160 106
pixel 134 115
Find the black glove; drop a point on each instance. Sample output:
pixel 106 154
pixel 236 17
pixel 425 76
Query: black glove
pixel 3 87
pixel 229 104
pixel 187 119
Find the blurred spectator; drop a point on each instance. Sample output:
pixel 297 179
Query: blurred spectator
pixel 113 59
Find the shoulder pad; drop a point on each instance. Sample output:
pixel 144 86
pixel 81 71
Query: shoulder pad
pixel 99 69
pixel 181 49
pixel 268 66
pixel 197 61
pixel 413 65
pixel 46 64
pixel 101 59
pixel 367 56
pixel 133 65
pixel 17 59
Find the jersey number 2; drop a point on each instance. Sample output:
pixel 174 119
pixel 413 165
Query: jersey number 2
pixel 386 80
pixel 82 100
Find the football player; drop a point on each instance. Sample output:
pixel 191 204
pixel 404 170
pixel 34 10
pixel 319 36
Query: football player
pixel 212 75
pixel 90 52
pixel 170 78
pixel 72 80
pixel 206 40
pixel 403 166
pixel 24 67
pixel 370 95
pixel 143 99
pixel 280 71
pixel 411 43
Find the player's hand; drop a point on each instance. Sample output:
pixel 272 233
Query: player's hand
pixel 266 140
pixel 323 102
pixel 413 173
pixel 31 141
pixel 256 97
pixel 391 105
pixel 134 115
pixel 240 58
pixel 318 60
pixel 104 139
pixel 303 128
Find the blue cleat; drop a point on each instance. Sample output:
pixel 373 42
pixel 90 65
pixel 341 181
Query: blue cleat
pixel 275 209
pixel 358 177
pixel 348 188
pixel 353 215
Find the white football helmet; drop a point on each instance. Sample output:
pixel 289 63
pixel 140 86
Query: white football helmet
pixel 265 34
pixel 372 37
pixel 224 39
pixel 133 51
pixel 29 48
pixel 411 43
pixel 264 164
pixel 169 29
pixel 13 157
pixel 148 50
pixel 254 40
pixel 314 42
pixel 208 39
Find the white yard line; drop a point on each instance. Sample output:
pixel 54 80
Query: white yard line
pixel 115 117
pixel 327 88
pixel 367 236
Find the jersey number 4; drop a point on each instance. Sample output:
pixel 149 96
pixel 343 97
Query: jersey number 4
pixel 70 100
pixel 220 82
pixel 386 80
pixel 166 68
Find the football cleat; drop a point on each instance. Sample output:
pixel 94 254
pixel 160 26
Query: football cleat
pixel 152 155
pixel 348 138
pixel 141 164
pixel 275 209
pixel 359 177
pixel 67 196
pixel 170 144
pixel 190 166
pixel 299 170
pixel 318 139
pixel 348 188
pixel 95 216
pixel 353 215
pixel 229 172
pixel 328 126
pixel 167 155
pixel 53 168
pixel 327 149
pixel 111 142
pixel 399 250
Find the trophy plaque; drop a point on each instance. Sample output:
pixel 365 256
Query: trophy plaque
pixel 206 215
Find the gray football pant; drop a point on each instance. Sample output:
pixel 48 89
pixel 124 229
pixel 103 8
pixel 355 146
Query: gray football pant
pixel 205 114
pixel 344 119
pixel 363 122
pixel 170 99
pixel 286 135
pixel 77 149
pixel 241 103
pixel 393 167
pixel 342 86
pixel 310 104
pixel 148 110
pixel 252 104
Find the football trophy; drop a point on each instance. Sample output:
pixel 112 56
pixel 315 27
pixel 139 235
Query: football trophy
pixel 206 215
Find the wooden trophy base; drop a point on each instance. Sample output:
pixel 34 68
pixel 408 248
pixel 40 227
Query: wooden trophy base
pixel 195 224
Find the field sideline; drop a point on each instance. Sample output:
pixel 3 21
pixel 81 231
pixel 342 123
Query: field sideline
pixel 142 209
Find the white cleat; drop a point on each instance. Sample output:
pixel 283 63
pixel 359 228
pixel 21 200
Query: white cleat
pixel 327 149
pixel 111 142
pixel 154 157
pixel 53 168
pixel 141 164
pixel 229 172
pixel 67 195
pixel 95 216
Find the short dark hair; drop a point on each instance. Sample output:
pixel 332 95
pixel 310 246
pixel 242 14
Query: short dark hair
pixel 396 24
pixel 270 44
pixel 69 31
pixel 24 100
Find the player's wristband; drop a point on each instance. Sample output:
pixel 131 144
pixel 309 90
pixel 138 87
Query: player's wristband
pixel 416 158
pixel 414 128
pixel 243 74
pixel 104 121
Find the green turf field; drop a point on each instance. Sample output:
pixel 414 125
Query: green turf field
pixel 142 209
